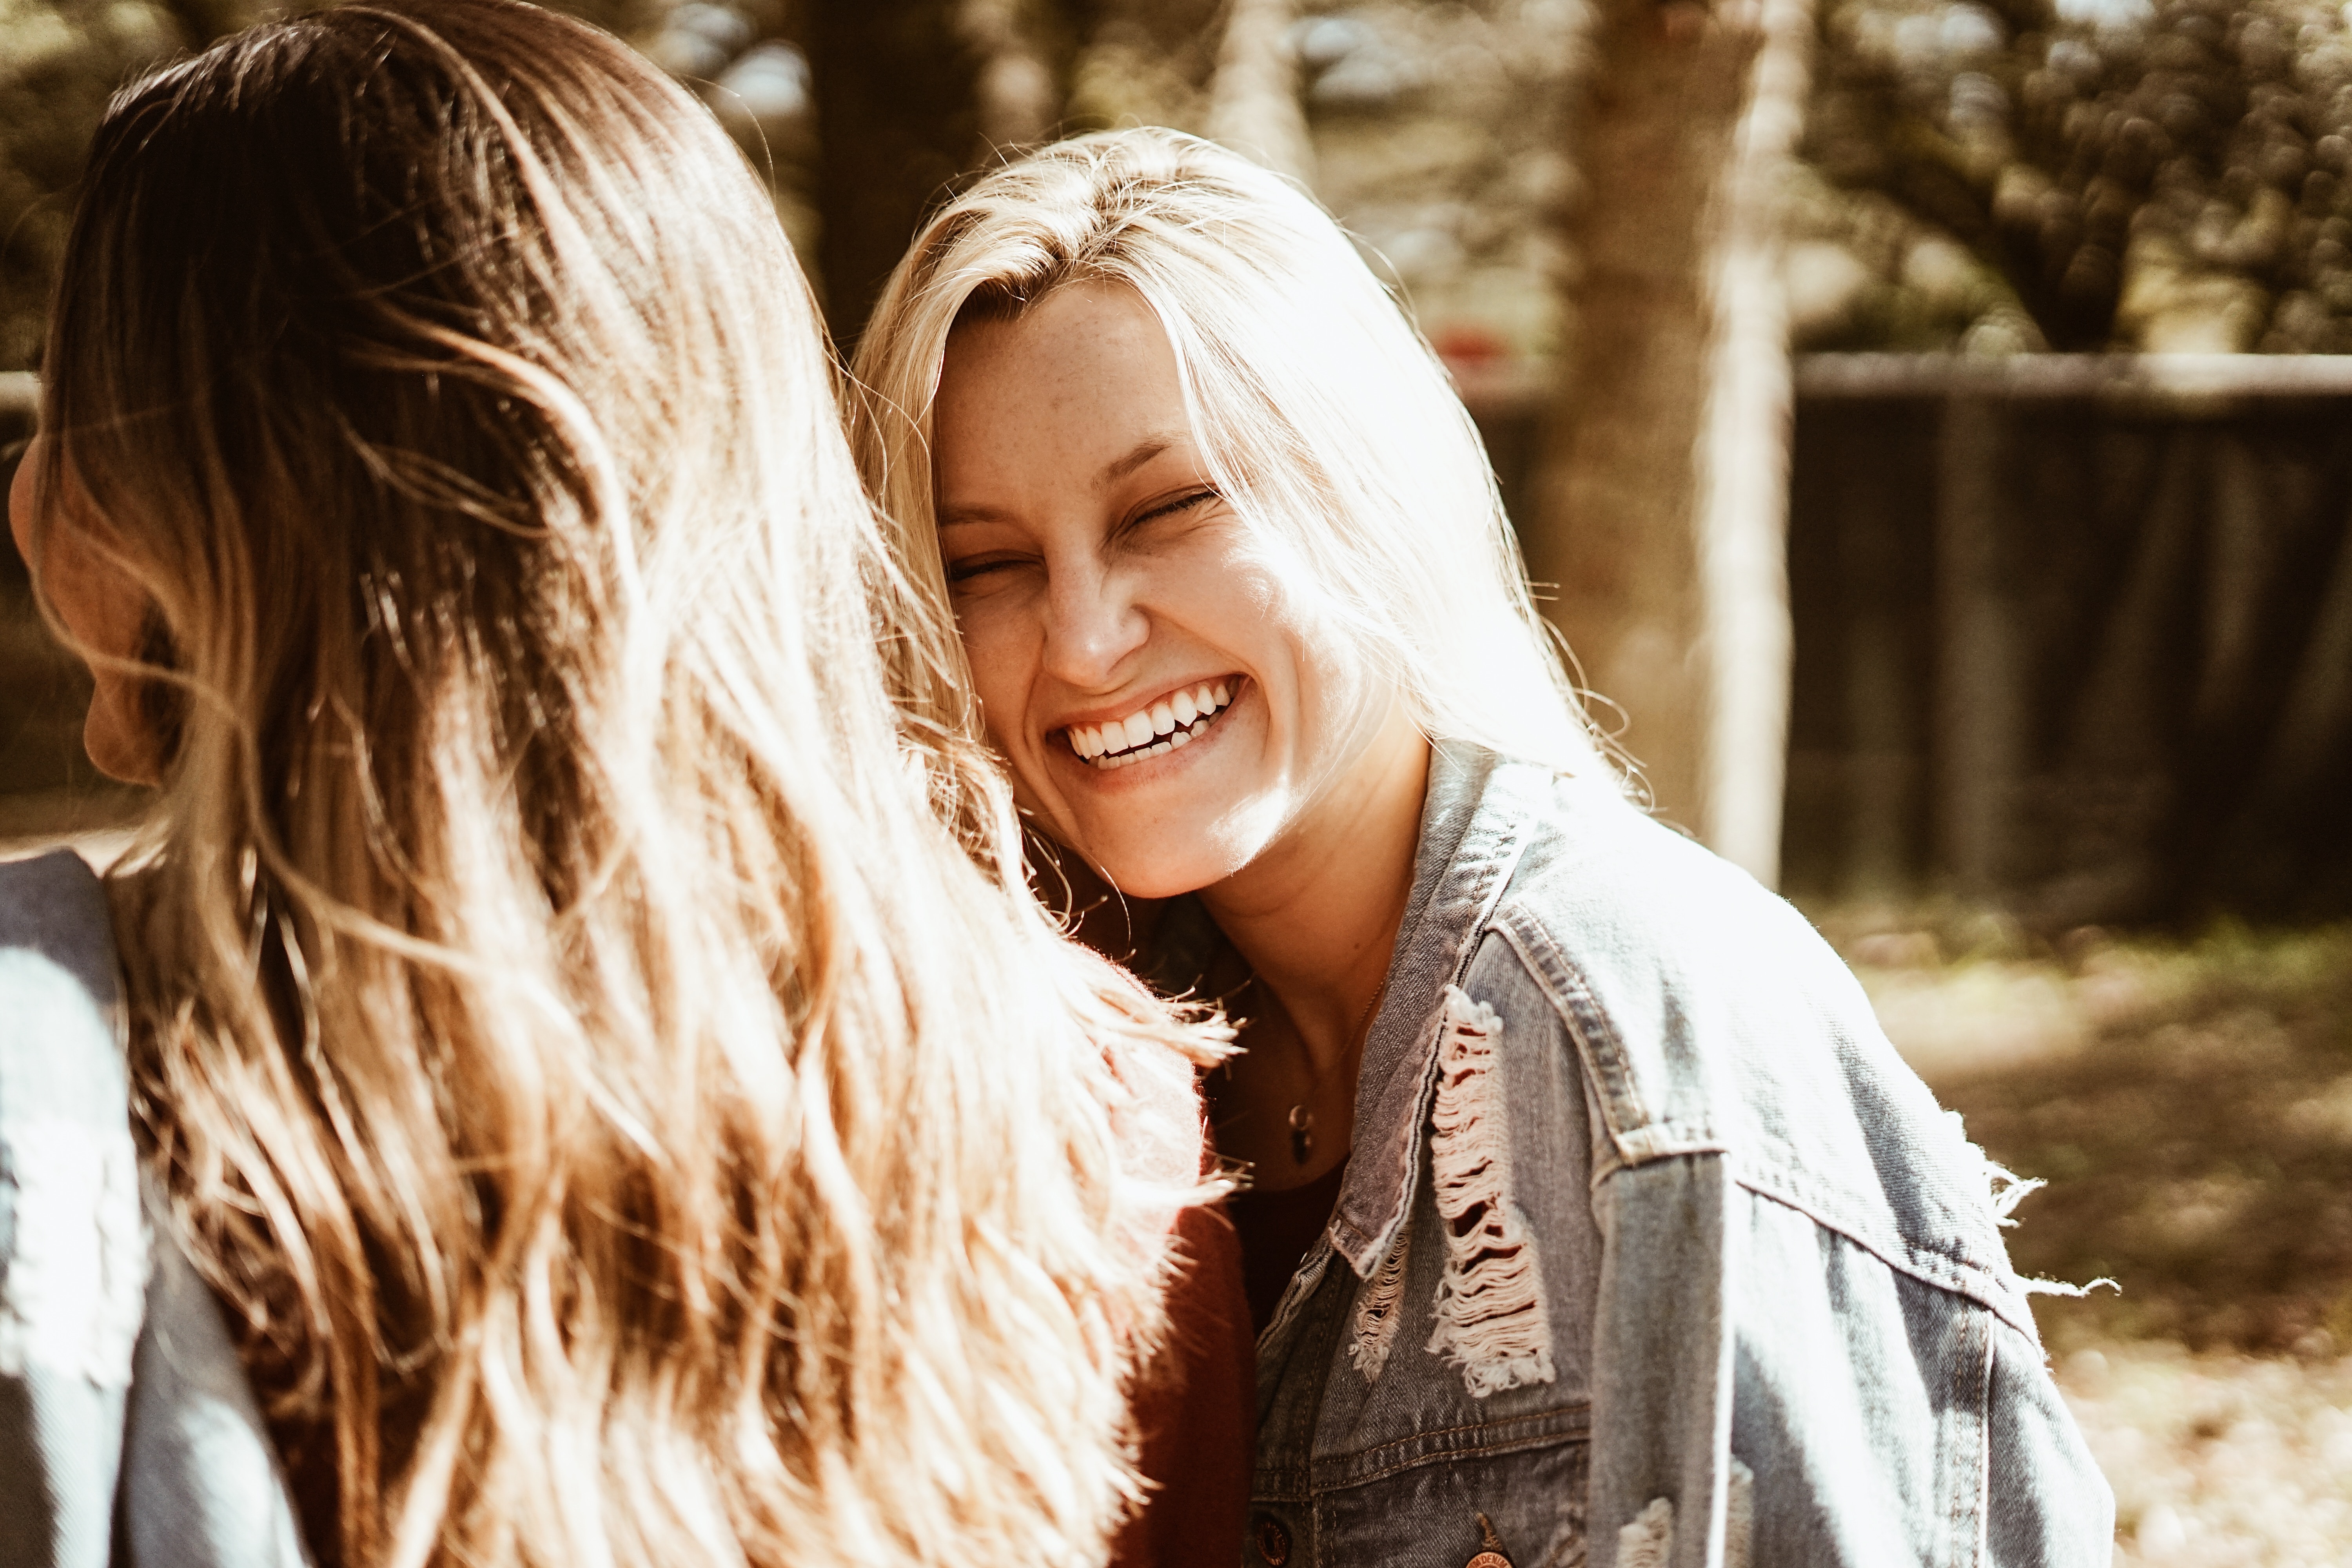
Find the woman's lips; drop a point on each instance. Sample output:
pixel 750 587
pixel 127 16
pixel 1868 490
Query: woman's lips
pixel 1155 730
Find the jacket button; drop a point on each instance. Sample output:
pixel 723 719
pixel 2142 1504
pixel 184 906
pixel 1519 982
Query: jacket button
pixel 1273 1541
pixel 1492 1555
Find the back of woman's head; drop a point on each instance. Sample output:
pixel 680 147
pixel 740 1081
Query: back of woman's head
pixel 1322 413
pixel 576 1045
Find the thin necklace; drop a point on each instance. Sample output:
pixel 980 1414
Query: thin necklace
pixel 1301 1120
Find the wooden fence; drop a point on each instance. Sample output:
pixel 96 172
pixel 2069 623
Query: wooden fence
pixel 2073 633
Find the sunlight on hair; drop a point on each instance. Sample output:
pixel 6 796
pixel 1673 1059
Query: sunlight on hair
pixel 630 1127
pixel 1325 417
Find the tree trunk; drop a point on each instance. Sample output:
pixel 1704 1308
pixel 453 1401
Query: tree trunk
pixel 1254 98
pixel 910 97
pixel 898 118
pixel 1662 502
pixel 1980 656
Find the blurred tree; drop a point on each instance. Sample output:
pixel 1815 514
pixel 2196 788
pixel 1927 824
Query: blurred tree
pixel 1661 502
pixel 2149 173
pixel 1146 62
pixel 59 60
pixel 909 96
pixel 1253 97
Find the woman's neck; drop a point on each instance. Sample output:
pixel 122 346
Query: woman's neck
pixel 1317 915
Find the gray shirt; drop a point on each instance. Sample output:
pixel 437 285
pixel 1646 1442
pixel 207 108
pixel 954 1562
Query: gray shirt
pixel 128 1431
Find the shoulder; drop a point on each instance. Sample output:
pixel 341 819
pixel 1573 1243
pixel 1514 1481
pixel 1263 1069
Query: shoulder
pixel 1711 1018
pixel 59 994
pixel 72 1249
pixel 1646 937
pixel 53 909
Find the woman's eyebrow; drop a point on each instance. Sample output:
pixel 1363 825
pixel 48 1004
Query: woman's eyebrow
pixel 949 516
pixel 1143 452
pixel 1110 473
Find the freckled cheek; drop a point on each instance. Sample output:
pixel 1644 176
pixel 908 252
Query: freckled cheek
pixel 1001 673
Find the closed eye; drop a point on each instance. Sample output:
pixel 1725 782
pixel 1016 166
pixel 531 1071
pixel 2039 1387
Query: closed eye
pixel 976 566
pixel 1181 504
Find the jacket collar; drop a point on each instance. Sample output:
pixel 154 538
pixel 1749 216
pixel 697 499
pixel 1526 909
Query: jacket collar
pixel 1473 824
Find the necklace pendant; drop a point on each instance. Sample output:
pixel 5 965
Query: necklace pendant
pixel 1302 1135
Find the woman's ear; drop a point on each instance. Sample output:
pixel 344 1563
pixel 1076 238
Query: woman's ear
pixel 106 612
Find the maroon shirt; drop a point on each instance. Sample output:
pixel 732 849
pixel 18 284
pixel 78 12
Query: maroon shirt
pixel 1276 1229
pixel 1196 1410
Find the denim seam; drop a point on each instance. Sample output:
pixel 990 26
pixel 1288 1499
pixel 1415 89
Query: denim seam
pixel 1484 860
pixel 1954 1278
pixel 1287 1484
pixel 1788 1184
pixel 1549 1429
pixel 1966 1459
pixel 1979 1505
pixel 1636 1139
pixel 1552 973
pixel 1603 1053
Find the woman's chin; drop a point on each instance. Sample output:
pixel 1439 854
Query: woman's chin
pixel 1156 876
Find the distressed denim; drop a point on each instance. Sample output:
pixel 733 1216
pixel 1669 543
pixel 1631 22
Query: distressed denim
pixel 128 1431
pixel 1651 1250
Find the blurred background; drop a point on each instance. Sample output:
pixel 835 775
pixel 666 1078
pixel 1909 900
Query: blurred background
pixel 1930 422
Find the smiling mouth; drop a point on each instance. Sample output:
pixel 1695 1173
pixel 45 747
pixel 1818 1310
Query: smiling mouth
pixel 1174 720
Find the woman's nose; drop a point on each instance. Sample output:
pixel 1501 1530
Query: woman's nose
pixel 1092 624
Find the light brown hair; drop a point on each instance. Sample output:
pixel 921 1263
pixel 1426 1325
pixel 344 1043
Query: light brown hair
pixel 630 1127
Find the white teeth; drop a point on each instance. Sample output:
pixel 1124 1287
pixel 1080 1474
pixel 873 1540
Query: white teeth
pixel 1118 741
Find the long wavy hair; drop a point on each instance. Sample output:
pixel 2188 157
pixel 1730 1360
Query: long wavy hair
pixel 604 1055
pixel 1323 414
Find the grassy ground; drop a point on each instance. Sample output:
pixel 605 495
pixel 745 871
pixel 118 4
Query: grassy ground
pixel 2190 1104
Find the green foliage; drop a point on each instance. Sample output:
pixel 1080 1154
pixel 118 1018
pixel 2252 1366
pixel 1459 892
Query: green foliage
pixel 2165 177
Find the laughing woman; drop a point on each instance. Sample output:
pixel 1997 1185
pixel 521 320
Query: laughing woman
pixel 1593 1217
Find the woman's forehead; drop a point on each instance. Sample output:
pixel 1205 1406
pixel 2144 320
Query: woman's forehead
pixel 1083 378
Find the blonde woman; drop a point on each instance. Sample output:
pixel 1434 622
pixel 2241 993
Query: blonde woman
pixel 625 1123
pixel 1593 1218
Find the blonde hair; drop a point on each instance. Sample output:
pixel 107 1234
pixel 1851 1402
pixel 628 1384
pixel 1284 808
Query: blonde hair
pixel 1322 413
pixel 617 1106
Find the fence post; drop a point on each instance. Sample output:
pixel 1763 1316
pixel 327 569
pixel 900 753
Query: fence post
pixel 1881 771
pixel 1980 708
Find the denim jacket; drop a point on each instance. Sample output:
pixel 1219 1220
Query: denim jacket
pixel 128 1431
pixel 1650 1251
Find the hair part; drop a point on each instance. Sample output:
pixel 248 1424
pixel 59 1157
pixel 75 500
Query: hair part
pixel 1321 412
pixel 627 1125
